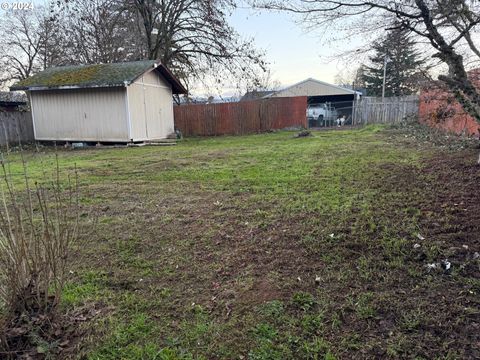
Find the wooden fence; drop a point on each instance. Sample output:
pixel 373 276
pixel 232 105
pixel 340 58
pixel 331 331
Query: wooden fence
pixel 16 127
pixel 241 117
pixel 391 110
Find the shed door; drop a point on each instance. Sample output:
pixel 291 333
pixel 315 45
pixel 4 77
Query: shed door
pixel 153 113
pixel 151 108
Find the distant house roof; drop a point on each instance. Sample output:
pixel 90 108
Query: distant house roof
pixel 97 75
pixel 254 95
pixel 312 87
pixel 12 99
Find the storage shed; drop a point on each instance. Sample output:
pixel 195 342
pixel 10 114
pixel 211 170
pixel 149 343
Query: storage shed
pixel 121 102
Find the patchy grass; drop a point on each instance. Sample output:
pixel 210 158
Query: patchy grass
pixel 272 247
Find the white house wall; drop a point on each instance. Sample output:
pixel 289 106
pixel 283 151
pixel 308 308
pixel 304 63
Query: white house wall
pixel 311 88
pixel 151 107
pixel 80 114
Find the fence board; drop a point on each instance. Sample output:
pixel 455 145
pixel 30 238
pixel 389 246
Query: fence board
pixel 15 127
pixel 241 117
pixel 391 110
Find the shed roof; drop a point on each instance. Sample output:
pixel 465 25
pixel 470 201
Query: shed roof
pixel 12 98
pixel 96 75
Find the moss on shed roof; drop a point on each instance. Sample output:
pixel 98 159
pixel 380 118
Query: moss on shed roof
pixel 99 75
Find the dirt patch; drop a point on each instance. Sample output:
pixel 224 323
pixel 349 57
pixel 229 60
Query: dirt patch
pixel 453 215
pixel 34 335
pixel 442 198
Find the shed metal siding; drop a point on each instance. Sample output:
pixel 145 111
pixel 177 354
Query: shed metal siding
pixel 80 114
pixel 151 107
pixel 311 88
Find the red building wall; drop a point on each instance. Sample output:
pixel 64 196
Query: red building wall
pixel 439 109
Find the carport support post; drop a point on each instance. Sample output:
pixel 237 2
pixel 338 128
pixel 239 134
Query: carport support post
pixel 385 62
pixel 384 77
pixel 354 103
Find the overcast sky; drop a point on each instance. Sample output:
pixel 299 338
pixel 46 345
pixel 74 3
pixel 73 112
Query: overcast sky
pixel 293 54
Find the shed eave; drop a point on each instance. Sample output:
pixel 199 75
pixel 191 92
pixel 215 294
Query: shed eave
pixel 67 87
pixel 12 103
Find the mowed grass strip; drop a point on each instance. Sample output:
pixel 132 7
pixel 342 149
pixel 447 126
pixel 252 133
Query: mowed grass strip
pixel 263 247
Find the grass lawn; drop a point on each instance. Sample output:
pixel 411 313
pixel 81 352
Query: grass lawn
pixel 273 247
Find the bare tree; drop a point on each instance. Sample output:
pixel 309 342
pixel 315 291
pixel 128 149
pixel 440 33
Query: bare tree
pixel 448 27
pixel 266 82
pixel 98 31
pixel 20 45
pixel 351 77
pixel 54 50
pixel 31 41
pixel 193 38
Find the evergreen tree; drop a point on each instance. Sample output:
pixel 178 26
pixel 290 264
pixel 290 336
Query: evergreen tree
pixel 403 65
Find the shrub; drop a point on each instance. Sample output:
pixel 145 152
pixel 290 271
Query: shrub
pixel 38 224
